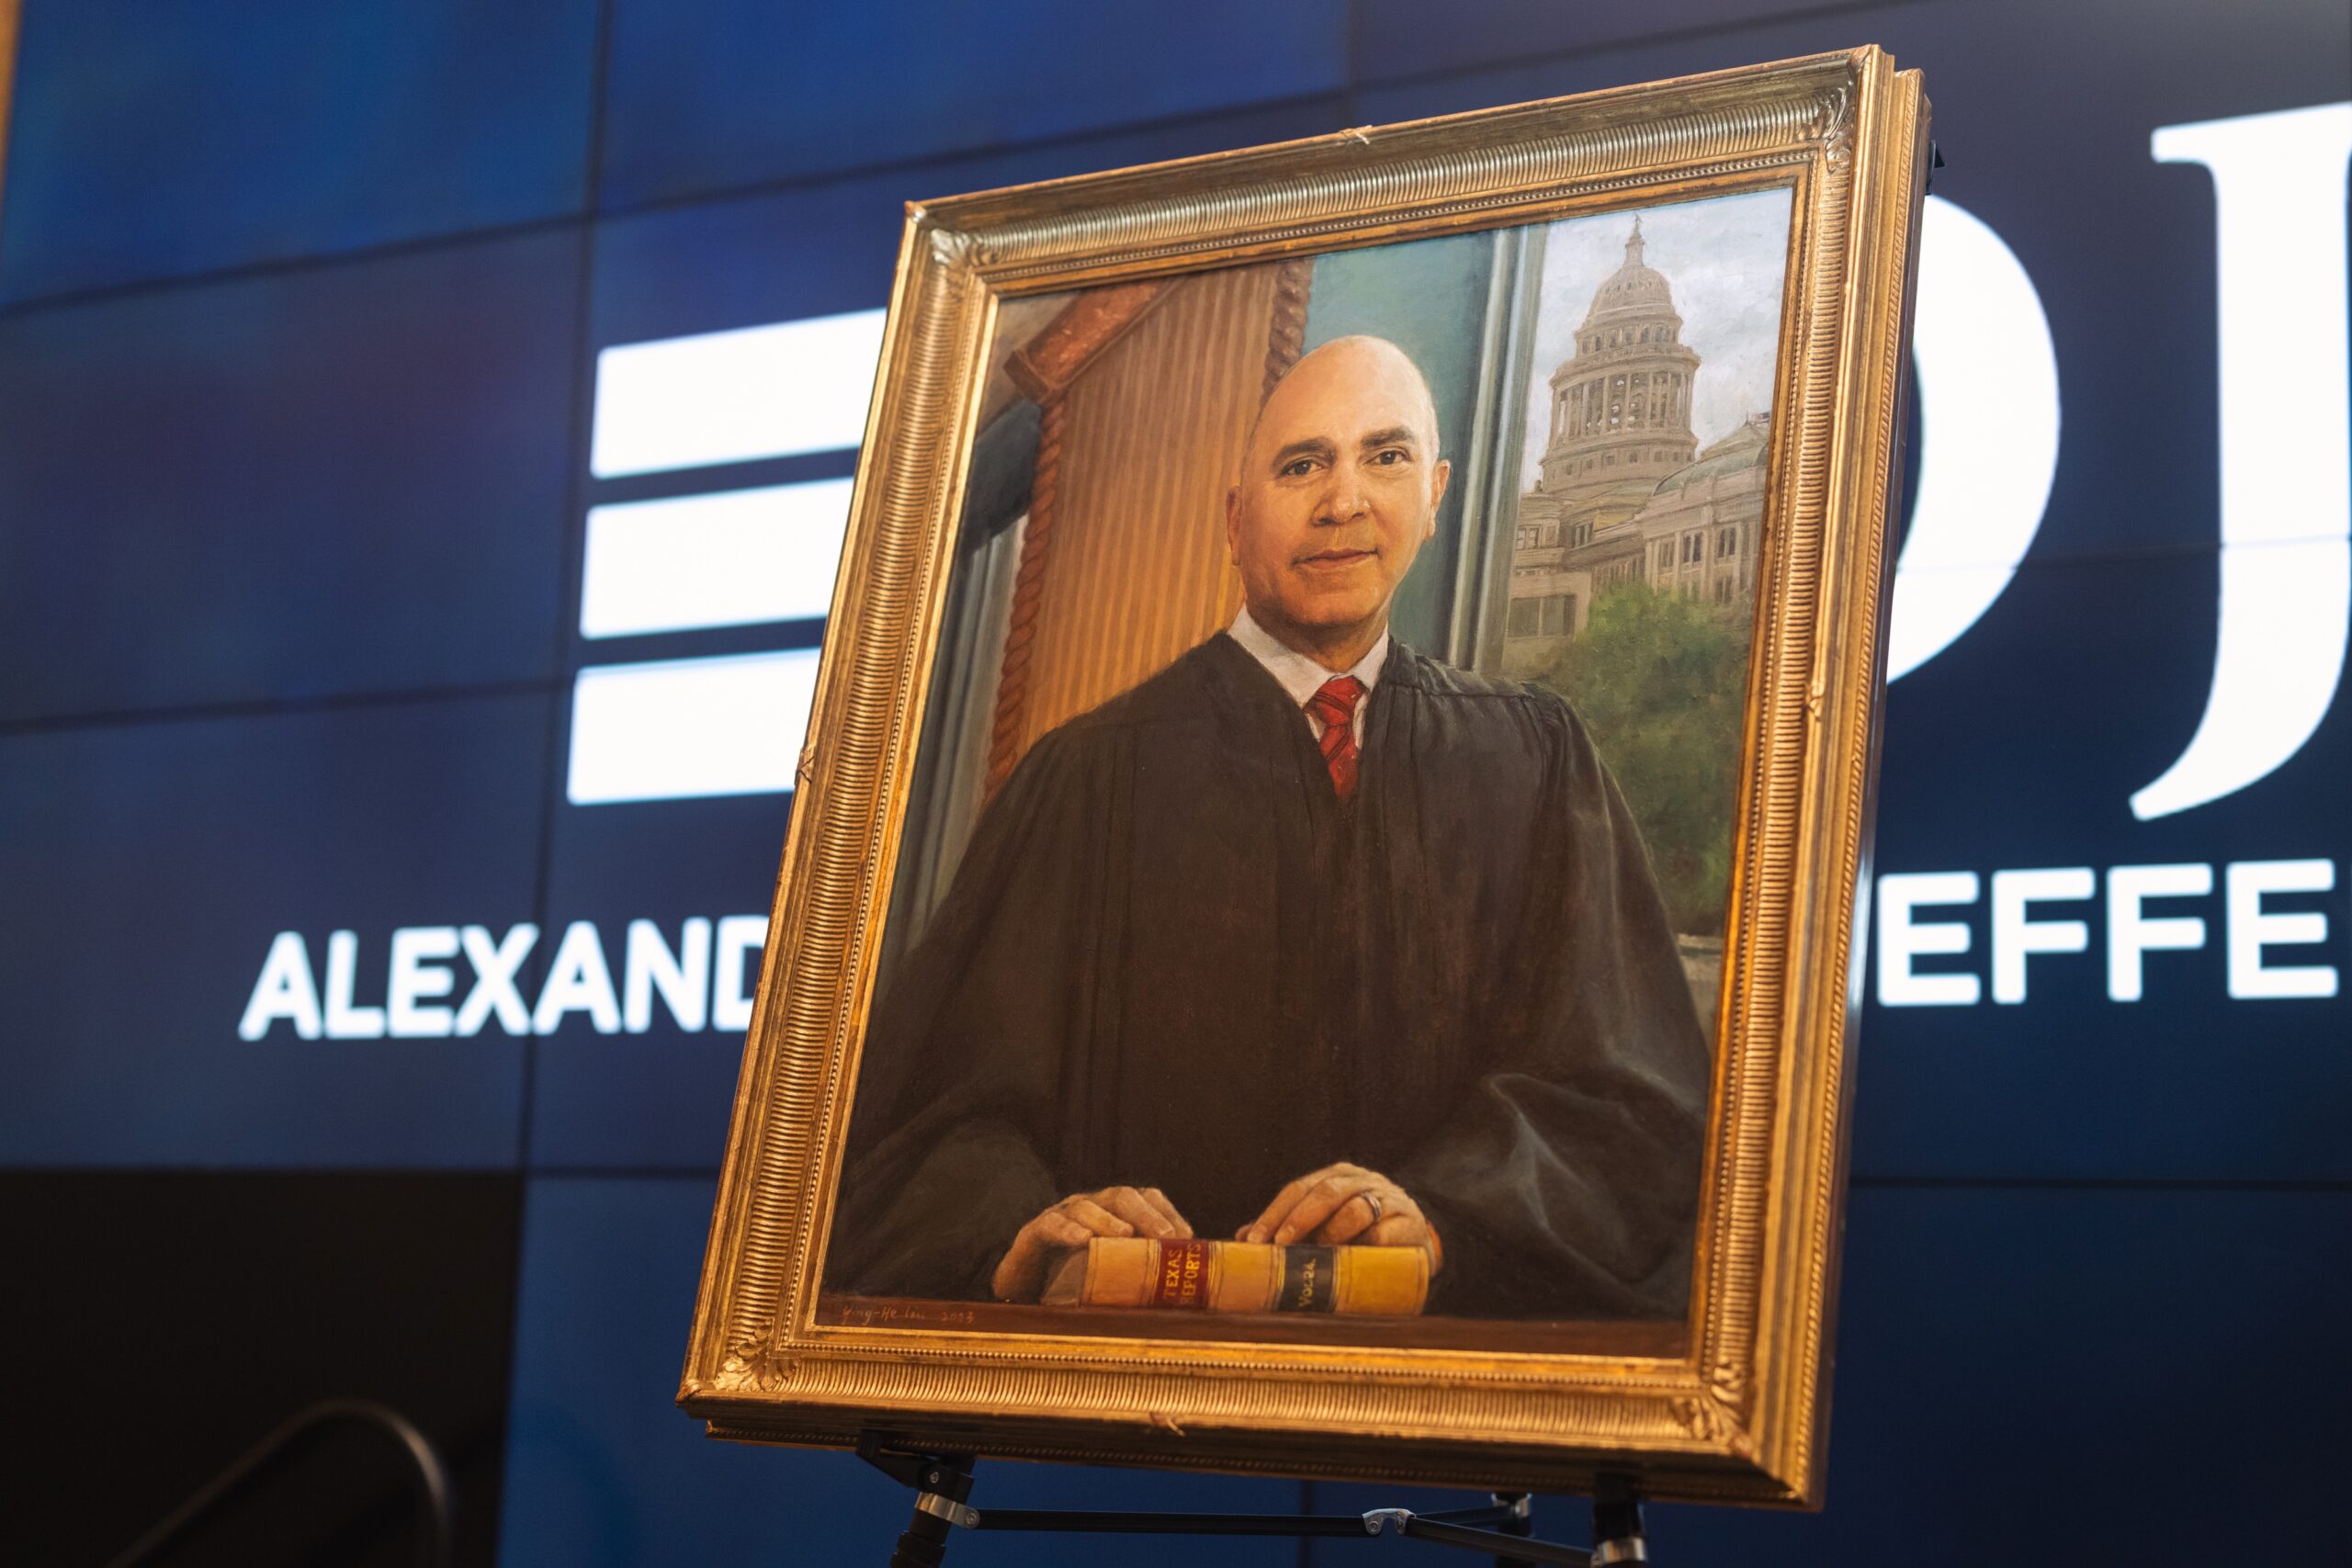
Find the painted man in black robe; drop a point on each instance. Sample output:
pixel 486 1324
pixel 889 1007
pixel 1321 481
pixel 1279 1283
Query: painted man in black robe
pixel 1306 938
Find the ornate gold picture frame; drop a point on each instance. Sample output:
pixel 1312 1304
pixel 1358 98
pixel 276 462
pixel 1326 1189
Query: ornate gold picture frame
pixel 1721 1394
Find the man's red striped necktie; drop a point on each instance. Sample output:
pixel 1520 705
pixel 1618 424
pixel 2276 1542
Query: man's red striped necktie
pixel 1334 706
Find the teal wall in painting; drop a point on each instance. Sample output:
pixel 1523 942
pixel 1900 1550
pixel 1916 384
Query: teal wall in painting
pixel 1429 297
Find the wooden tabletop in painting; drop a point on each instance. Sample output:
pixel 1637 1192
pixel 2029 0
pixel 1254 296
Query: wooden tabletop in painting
pixel 1582 1338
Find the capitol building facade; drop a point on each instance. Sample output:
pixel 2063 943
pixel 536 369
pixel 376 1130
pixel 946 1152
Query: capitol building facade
pixel 1623 494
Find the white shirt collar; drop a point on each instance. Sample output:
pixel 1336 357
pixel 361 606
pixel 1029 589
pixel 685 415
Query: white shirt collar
pixel 1300 675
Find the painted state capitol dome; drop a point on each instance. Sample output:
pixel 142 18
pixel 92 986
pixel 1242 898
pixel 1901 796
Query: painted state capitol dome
pixel 1623 493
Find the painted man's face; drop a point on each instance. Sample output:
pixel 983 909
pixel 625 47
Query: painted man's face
pixel 1337 489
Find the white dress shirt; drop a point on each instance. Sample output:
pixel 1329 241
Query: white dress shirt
pixel 1300 676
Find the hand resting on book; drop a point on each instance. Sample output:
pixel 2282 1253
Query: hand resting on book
pixel 1076 1221
pixel 1339 1205
pixel 1343 1205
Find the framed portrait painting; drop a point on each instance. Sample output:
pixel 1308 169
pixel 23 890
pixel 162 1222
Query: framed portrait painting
pixel 1319 927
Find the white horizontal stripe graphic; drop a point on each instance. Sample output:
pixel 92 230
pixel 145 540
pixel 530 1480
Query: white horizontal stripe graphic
pixel 730 397
pixel 728 559
pixel 682 728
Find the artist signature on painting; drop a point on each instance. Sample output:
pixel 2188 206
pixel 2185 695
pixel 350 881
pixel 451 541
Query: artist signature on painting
pixel 906 1314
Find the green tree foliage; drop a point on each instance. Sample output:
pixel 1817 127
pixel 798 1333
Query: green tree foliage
pixel 1659 680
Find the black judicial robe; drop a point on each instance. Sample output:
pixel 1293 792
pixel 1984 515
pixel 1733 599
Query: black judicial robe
pixel 1173 958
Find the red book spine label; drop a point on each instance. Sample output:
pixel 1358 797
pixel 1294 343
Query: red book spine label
pixel 1183 1280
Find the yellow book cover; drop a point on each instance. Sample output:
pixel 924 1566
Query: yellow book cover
pixel 1237 1276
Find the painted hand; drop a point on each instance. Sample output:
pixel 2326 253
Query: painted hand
pixel 1342 1204
pixel 1076 1220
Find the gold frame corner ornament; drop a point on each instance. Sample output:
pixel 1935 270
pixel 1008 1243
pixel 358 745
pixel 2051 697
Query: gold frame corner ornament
pixel 1740 1416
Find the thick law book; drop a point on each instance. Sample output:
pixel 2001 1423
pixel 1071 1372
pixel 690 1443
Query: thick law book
pixel 1241 1276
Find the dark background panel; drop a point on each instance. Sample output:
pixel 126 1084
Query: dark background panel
pixel 154 141
pixel 144 871
pixel 1984 744
pixel 182 1317
pixel 1393 40
pixel 2020 748
pixel 820 248
pixel 705 95
pixel 2111 1375
pixel 341 480
pixel 662 1098
pixel 2043 114
pixel 603 1470
pixel 2063 1375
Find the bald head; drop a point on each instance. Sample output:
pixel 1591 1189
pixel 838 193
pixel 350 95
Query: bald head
pixel 1339 483
pixel 1361 366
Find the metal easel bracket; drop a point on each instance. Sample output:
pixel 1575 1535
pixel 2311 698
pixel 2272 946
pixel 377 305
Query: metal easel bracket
pixel 943 1487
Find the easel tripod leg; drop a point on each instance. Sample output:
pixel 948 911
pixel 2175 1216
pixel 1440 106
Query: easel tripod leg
pixel 1617 1523
pixel 942 1485
pixel 1521 1521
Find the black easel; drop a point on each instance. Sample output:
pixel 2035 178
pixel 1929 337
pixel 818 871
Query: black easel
pixel 943 1487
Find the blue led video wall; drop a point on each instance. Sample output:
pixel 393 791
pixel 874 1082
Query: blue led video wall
pixel 423 431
